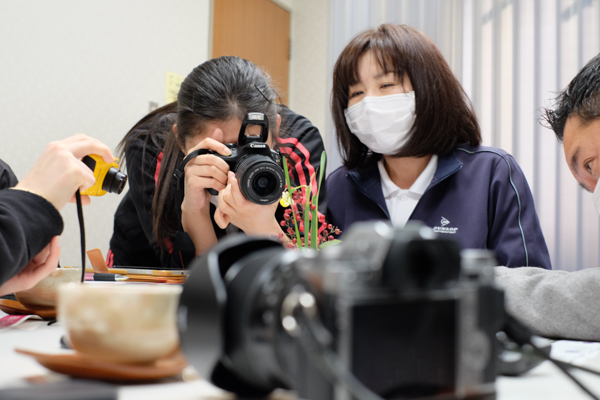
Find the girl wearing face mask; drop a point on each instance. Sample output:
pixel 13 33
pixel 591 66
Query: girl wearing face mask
pixel 410 145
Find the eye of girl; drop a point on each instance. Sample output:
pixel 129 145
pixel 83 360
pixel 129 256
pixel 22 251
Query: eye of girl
pixel 357 93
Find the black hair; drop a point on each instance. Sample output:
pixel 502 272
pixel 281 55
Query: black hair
pixel 581 97
pixel 155 127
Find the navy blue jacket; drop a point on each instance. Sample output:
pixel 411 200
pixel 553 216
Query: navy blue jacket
pixel 478 196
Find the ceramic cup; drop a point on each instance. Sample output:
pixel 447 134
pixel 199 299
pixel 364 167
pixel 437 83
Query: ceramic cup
pixel 43 296
pixel 121 323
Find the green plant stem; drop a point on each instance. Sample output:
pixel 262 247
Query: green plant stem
pixel 315 201
pixel 307 217
pixel 291 192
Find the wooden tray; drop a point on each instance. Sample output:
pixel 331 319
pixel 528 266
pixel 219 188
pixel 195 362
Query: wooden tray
pixel 13 307
pixel 80 366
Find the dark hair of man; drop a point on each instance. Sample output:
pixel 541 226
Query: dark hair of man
pixel 217 90
pixel 444 114
pixel 581 97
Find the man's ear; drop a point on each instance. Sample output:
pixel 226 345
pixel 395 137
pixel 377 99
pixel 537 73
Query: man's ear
pixel 177 138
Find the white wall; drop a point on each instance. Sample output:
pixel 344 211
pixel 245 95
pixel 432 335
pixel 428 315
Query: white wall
pixel 309 64
pixel 71 66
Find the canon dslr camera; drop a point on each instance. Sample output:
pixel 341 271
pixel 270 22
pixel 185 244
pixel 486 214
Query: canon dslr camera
pixel 257 167
pixel 399 313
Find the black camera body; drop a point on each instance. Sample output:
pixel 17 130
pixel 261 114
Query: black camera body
pixel 261 181
pixel 408 314
pixel 256 166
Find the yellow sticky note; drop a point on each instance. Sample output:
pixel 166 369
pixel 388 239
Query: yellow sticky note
pixel 172 87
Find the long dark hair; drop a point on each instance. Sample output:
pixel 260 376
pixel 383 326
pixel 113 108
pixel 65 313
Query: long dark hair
pixel 159 127
pixel 219 89
pixel 444 114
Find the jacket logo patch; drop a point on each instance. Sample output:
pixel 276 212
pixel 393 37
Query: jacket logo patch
pixel 443 228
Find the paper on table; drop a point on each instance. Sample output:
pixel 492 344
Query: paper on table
pixel 575 352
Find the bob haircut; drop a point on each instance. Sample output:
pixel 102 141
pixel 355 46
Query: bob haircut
pixel 444 114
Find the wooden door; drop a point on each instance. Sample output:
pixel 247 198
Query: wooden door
pixel 257 30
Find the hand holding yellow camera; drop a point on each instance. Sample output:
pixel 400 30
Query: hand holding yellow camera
pixel 108 177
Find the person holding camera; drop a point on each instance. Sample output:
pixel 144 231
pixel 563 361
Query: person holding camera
pixel 30 222
pixel 410 146
pixel 152 227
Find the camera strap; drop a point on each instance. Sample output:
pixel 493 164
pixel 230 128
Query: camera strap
pixel 179 176
pixel 179 173
pixel 81 233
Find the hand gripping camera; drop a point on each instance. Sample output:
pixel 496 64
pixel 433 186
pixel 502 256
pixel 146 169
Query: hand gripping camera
pixel 400 311
pixel 257 167
pixel 108 177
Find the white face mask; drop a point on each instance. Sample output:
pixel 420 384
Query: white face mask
pixel 381 123
pixel 596 196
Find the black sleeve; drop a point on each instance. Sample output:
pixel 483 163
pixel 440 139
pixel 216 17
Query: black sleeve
pixel 8 178
pixel 301 143
pixel 27 224
pixel 133 241
pixel 143 158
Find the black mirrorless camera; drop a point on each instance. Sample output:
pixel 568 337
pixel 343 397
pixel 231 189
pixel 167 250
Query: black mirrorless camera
pixel 257 167
pixel 405 313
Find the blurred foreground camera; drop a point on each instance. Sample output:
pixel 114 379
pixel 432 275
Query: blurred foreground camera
pixel 398 313
pixel 257 167
pixel 108 177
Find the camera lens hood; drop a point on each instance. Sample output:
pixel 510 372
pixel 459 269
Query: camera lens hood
pixel 114 181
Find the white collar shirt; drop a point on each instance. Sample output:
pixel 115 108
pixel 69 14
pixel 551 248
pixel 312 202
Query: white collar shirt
pixel 402 202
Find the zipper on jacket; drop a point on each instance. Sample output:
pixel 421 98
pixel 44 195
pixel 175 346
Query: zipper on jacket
pixel 359 187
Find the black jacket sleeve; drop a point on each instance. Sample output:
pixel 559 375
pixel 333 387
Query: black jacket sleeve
pixel 133 242
pixel 27 224
pixel 143 162
pixel 8 178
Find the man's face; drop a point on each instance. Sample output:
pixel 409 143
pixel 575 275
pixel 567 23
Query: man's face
pixel 582 150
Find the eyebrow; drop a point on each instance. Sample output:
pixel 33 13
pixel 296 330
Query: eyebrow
pixel 381 74
pixel 574 159
pixel 575 166
pixel 376 76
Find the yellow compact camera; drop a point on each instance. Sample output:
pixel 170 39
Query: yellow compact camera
pixel 108 177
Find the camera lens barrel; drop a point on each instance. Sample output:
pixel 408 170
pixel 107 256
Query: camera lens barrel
pixel 262 181
pixel 114 181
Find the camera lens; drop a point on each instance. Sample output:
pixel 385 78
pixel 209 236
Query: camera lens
pixel 261 179
pixel 264 184
pixel 259 353
pixel 114 181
